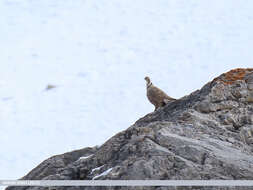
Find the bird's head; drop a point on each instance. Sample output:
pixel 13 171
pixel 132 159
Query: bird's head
pixel 148 81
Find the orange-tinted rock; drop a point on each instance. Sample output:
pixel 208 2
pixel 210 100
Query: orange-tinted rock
pixel 234 75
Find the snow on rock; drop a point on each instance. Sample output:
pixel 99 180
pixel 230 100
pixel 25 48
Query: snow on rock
pixel 103 174
pixel 96 169
pixel 85 157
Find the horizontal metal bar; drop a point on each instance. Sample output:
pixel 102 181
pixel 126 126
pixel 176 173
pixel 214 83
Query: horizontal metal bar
pixel 126 182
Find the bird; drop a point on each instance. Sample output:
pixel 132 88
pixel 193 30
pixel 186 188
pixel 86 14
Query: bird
pixel 156 96
pixel 50 86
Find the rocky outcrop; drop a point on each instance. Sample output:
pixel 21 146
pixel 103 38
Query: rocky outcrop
pixel 205 135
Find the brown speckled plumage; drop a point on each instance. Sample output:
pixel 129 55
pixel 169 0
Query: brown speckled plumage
pixel 156 96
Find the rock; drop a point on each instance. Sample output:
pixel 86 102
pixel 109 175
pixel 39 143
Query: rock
pixel 205 135
pixel 249 80
pixel 52 165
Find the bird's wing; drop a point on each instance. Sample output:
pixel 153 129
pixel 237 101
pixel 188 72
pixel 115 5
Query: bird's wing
pixel 161 95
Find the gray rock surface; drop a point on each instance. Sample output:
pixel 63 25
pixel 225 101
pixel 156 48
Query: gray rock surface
pixel 205 135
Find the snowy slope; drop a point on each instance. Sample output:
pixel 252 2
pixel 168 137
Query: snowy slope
pixel 97 53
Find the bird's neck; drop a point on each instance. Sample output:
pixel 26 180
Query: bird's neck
pixel 149 84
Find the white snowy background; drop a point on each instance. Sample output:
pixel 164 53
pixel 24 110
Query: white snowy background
pixel 97 53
